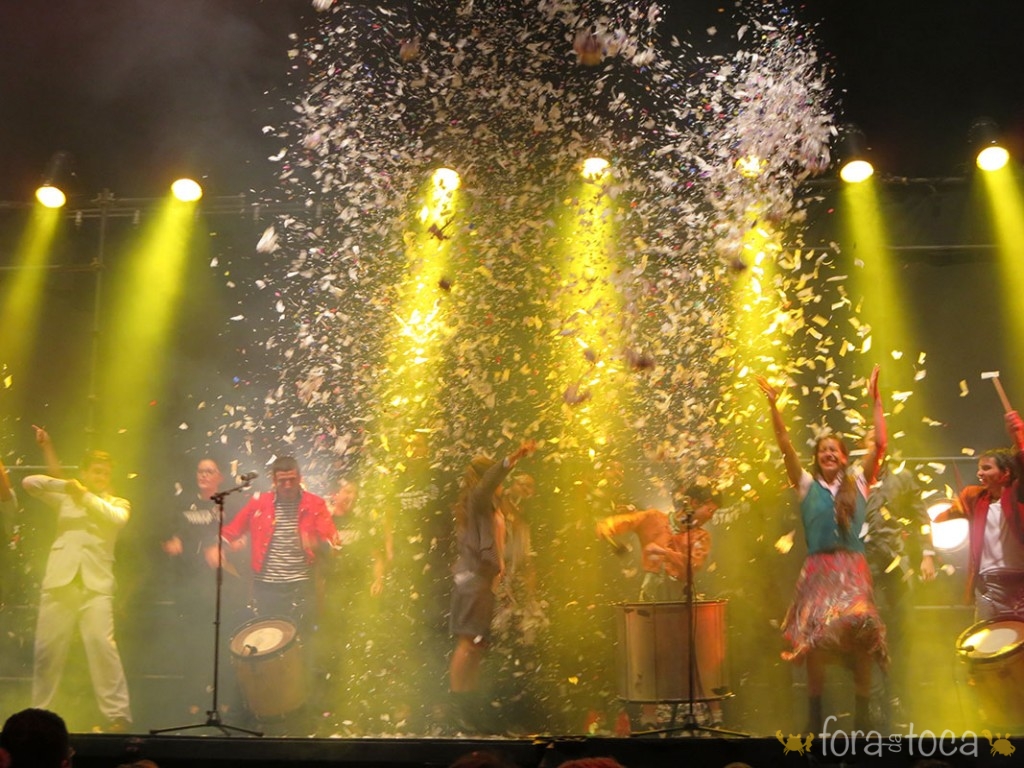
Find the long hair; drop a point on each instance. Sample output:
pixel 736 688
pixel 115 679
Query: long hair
pixel 846 497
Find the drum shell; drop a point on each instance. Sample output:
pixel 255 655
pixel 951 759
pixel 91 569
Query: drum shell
pixel 654 653
pixel 996 679
pixel 273 681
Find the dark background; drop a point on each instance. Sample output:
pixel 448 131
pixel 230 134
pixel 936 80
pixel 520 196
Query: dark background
pixel 138 90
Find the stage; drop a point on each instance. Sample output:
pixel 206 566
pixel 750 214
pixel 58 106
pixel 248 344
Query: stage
pixel 172 751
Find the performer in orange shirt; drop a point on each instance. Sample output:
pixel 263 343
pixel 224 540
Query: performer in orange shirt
pixel 664 540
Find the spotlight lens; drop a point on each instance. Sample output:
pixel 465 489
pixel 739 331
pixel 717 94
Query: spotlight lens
pixel 594 168
pixel 186 190
pixel 446 179
pixel 992 158
pixel 856 171
pixel 50 196
pixel 951 534
pixel 751 166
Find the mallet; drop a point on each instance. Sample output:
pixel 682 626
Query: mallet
pixel 994 375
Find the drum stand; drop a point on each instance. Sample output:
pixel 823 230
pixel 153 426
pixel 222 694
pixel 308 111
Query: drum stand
pixel 690 724
pixel 213 713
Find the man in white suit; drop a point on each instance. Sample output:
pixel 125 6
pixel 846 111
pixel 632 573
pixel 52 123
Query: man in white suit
pixel 78 585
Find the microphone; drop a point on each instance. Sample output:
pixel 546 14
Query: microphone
pixel 248 477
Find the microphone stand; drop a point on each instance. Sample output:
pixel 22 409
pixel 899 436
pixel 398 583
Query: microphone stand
pixel 213 713
pixel 690 724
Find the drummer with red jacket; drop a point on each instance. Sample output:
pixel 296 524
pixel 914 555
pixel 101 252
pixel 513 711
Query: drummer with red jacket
pixel 288 528
pixel 995 511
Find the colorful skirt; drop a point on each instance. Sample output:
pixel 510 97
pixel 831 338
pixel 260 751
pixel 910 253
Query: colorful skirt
pixel 834 610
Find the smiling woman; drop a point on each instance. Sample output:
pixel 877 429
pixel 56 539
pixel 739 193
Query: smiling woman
pixel 833 614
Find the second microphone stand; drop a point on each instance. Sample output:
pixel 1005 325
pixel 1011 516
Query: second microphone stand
pixel 213 719
pixel 690 724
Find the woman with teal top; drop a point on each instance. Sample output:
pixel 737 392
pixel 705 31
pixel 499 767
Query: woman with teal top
pixel 833 618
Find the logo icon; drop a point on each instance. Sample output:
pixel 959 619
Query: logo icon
pixel 794 744
pixel 1001 746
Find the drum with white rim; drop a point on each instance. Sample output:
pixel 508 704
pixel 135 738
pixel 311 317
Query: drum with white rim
pixel 268 660
pixel 993 652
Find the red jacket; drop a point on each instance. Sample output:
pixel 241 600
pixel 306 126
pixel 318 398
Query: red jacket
pixel 973 503
pixel 258 518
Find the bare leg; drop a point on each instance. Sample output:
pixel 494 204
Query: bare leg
pixel 815 687
pixel 862 666
pixel 464 670
pixel 463 681
pixel 815 673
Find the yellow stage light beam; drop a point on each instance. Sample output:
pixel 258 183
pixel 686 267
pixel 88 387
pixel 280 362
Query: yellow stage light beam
pixel 866 245
pixel 397 460
pixel 20 305
pixel 147 294
pixel 889 334
pixel 757 313
pixel 588 377
pixel 591 347
pixel 1006 207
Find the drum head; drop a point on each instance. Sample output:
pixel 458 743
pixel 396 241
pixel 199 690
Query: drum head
pixel 262 637
pixel 992 639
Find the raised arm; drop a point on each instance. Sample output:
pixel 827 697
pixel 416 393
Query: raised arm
pixel 526 448
pixel 6 490
pixel 8 502
pixel 49 452
pixel 492 478
pixel 876 452
pixel 793 469
pixel 1015 426
pixel 50 489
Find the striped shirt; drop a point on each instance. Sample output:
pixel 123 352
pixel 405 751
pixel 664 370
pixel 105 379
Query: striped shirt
pixel 286 559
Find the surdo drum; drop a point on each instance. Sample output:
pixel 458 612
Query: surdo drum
pixel 993 652
pixel 267 657
pixel 654 651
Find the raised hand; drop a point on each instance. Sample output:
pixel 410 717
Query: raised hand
pixel 42 436
pixel 873 384
pixel 769 391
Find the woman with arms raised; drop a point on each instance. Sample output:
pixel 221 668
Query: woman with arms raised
pixel 833 617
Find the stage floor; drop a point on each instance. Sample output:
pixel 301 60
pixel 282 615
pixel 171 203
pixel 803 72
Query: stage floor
pixel 215 751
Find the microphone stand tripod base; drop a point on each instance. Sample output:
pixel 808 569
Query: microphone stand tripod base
pixel 212 721
pixel 212 714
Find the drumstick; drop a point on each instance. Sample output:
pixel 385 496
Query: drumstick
pixel 994 375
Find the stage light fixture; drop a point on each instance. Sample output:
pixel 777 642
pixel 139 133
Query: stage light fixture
pixel 989 155
pixel 186 190
pixel 51 196
pixel 446 179
pixel 851 150
pixel 750 166
pixel 949 535
pixel 49 192
pixel 594 168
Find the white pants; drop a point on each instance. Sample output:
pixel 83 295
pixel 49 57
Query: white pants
pixel 59 611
